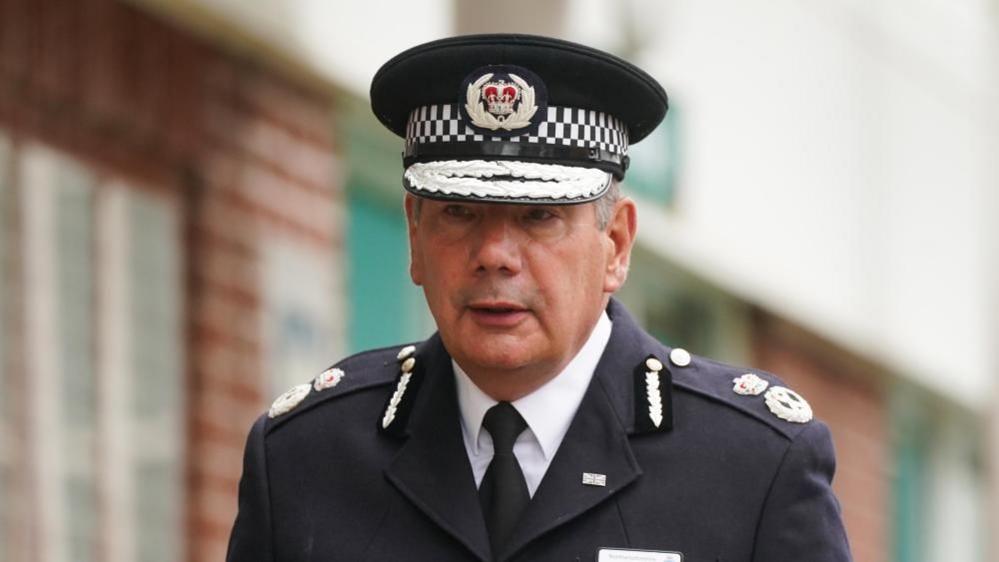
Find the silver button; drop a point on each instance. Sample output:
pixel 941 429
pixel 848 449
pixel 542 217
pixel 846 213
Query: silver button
pixel 405 352
pixel 680 357
pixel 408 365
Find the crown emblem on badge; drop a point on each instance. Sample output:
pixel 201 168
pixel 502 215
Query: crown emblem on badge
pixel 499 104
pixel 500 96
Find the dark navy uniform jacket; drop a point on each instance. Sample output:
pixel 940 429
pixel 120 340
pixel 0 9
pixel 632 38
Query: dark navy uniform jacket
pixel 726 480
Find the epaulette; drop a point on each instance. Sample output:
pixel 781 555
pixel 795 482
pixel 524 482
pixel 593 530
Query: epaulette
pixel 759 394
pixel 376 367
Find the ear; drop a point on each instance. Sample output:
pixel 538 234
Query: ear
pixel 415 256
pixel 621 236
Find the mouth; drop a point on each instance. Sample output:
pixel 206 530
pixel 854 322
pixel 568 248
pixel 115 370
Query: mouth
pixel 498 314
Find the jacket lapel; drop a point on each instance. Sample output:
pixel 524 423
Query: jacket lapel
pixel 597 440
pixel 432 468
pixel 595 443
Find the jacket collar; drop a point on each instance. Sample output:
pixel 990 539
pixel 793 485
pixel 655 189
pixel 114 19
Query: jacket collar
pixel 432 468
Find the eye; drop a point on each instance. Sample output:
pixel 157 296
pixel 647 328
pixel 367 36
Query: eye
pixel 457 211
pixel 539 214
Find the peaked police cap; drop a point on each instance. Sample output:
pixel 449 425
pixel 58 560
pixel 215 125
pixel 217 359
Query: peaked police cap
pixel 514 118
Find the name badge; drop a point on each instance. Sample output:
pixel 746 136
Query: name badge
pixel 635 555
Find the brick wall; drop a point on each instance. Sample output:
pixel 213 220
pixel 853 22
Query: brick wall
pixel 849 396
pixel 246 153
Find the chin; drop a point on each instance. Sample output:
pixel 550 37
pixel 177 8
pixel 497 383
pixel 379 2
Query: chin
pixel 499 359
pixel 504 356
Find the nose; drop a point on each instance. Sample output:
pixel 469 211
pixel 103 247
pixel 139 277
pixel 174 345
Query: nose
pixel 497 248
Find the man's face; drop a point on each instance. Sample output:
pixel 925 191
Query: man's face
pixel 516 289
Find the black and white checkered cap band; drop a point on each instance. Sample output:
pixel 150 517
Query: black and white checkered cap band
pixel 441 123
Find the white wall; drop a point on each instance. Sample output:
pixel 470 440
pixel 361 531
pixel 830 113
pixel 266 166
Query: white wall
pixel 836 154
pixel 342 42
pixel 837 169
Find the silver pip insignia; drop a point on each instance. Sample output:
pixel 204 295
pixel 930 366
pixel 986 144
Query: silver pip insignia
pixel 788 405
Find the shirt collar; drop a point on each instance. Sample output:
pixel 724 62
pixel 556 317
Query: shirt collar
pixel 548 410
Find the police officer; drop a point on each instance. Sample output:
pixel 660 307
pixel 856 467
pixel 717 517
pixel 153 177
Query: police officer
pixel 539 422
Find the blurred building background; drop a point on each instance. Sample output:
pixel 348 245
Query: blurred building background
pixel 198 210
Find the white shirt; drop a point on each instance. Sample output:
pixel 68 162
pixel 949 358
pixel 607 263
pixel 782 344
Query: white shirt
pixel 548 412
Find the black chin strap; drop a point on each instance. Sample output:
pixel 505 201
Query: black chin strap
pixel 599 158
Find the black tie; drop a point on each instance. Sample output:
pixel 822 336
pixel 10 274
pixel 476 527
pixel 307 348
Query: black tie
pixel 503 492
